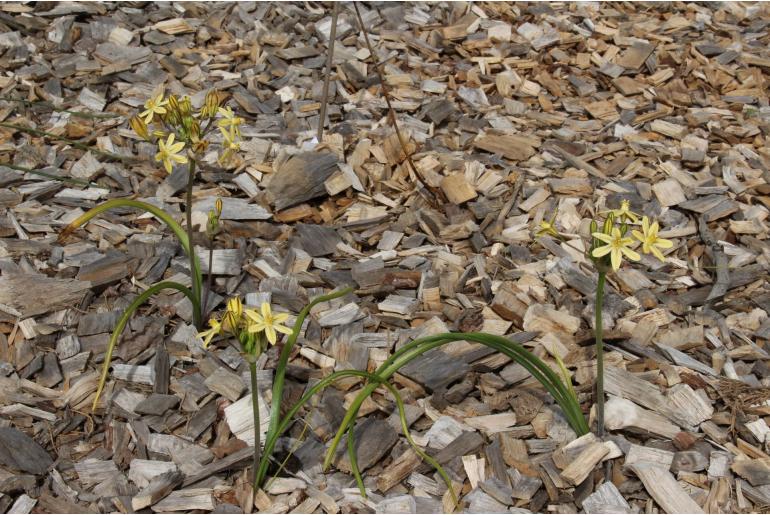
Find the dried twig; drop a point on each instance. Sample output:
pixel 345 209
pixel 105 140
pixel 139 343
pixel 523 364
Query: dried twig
pixel 47 175
pixel 391 111
pixel 73 143
pixel 329 59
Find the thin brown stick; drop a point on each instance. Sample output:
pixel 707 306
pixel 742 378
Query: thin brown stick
pixel 392 112
pixel 327 78
pixel 73 143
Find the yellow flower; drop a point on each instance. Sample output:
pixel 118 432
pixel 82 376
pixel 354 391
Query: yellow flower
pixel 548 228
pixel 168 153
pixel 268 322
pixel 624 212
pixel 229 145
pixel 154 106
pixel 651 244
pixel 617 247
pixel 229 120
pixel 207 335
pixel 229 139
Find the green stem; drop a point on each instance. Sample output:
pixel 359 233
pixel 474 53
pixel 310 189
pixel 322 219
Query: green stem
pixel 252 359
pixel 283 360
pixel 164 217
pixel 197 279
pixel 138 301
pixel 598 331
pixel 209 281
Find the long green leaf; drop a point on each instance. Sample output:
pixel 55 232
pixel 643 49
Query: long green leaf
pixel 164 217
pixel 539 370
pixel 273 434
pixel 283 360
pixel 125 317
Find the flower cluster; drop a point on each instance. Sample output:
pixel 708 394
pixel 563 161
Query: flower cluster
pixel 180 131
pixel 611 244
pixel 251 327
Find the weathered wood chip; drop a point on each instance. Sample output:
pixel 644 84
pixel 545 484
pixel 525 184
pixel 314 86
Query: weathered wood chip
pixel 20 452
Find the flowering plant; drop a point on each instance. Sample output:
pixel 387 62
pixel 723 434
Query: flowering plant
pixel 608 247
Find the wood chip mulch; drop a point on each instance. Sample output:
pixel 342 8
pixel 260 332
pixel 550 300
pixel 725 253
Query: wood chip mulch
pixel 510 112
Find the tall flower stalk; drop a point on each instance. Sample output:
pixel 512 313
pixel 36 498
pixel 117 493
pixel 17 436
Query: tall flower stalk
pixel 608 247
pixel 181 135
pixel 254 330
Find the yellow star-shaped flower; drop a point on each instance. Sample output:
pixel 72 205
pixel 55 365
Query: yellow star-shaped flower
pixel 168 153
pixel 154 106
pixel 268 322
pixel 548 228
pixel 624 213
pixel 616 246
pixel 215 329
pixel 651 244
pixel 229 120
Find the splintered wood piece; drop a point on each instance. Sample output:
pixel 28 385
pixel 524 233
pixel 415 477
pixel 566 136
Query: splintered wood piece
pixel 515 148
pixel 474 469
pixel 20 452
pixel 301 178
pixel 159 487
pixel 240 419
pixel 625 384
pixel 23 295
pixel 373 438
pixel 622 413
pixel 584 463
pixel 756 472
pixel 662 487
pixel 457 189
pixel 491 424
pixel 398 470
pixel 606 499
pixel 186 500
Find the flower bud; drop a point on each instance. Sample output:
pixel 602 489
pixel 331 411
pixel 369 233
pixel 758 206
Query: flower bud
pixel 218 206
pixel 139 127
pixel 185 107
pixel 172 111
pixel 211 104
pixel 608 224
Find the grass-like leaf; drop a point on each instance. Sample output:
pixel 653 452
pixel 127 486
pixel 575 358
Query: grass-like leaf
pixel 125 317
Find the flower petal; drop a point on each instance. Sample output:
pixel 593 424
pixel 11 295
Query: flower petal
pixel 606 238
pixel 601 251
pixel 271 336
pixel 254 315
pixel 282 329
pixel 630 254
pixel 664 244
pixel 616 258
pixel 280 318
pixel 266 311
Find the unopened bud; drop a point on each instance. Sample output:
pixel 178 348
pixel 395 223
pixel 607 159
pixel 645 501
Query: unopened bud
pixel 139 127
